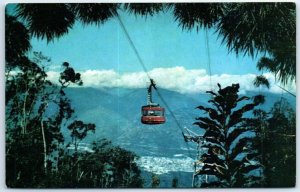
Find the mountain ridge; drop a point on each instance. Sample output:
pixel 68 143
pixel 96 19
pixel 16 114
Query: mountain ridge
pixel 117 112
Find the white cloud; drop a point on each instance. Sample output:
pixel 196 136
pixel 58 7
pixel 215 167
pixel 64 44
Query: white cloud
pixel 176 78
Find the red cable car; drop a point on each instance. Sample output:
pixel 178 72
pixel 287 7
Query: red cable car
pixel 152 113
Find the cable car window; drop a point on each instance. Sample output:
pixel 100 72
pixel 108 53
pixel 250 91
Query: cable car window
pixel 152 113
pixel 145 112
pixel 158 113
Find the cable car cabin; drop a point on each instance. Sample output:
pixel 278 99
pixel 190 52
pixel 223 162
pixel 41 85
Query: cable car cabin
pixel 153 114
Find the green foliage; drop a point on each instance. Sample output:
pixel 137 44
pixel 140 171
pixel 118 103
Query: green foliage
pixel 35 152
pixel 197 15
pixel 106 167
pixel 155 181
pixel 32 132
pixel 228 156
pixel 276 142
pixel 69 76
pixel 144 9
pixel 79 131
pixel 36 112
pixel 284 68
pixel 261 80
pixel 16 41
pixel 47 20
pixel 175 182
pixel 94 13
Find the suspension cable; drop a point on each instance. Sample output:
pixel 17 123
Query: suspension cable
pixel 132 45
pixel 208 58
pixel 146 71
pixel 286 90
pixel 169 109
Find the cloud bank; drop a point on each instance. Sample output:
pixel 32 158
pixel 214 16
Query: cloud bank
pixel 176 79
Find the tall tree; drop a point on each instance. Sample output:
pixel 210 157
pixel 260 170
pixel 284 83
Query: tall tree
pixel 16 40
pixel 229 159
pixel 106 166
pixel 36 112
pixel 276 143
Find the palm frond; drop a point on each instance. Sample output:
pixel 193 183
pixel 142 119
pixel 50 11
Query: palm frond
pixel 97 13
pixel 192 15
pixel 253 27
pixel 144 9
pixel 46 20
pixel 263 27
pixel 261 80
pixel 283 66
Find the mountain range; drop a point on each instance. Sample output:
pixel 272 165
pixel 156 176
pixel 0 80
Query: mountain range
pixel 116 112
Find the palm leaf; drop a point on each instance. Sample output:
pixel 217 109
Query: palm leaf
pixel 261 80
pixel 96 13
pixel 267 63
pixel 46 20
pixel 144 9
pixel 197 15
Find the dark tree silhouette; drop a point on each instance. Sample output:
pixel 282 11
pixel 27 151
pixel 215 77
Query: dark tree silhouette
pixel 94 13
pixel 36 112
pixel 276 144
pixel 145 9
pixel 107 166
pixel 47 20
pixel 33 131
pixel 228 156
pixel 261 80
pixel 16 40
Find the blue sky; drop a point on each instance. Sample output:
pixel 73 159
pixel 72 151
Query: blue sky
pixel 176 59
pixel 159 40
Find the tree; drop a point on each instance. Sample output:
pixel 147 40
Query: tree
pixel 79 131
pixel 47 20
pixel 246 28
pixel 16 40
pixel 276 143
pixel 229 159
pixel 36 112
pixel 155 181
pixel 35 149
pixel 175 182
pixel 261 80
pixel 107 166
